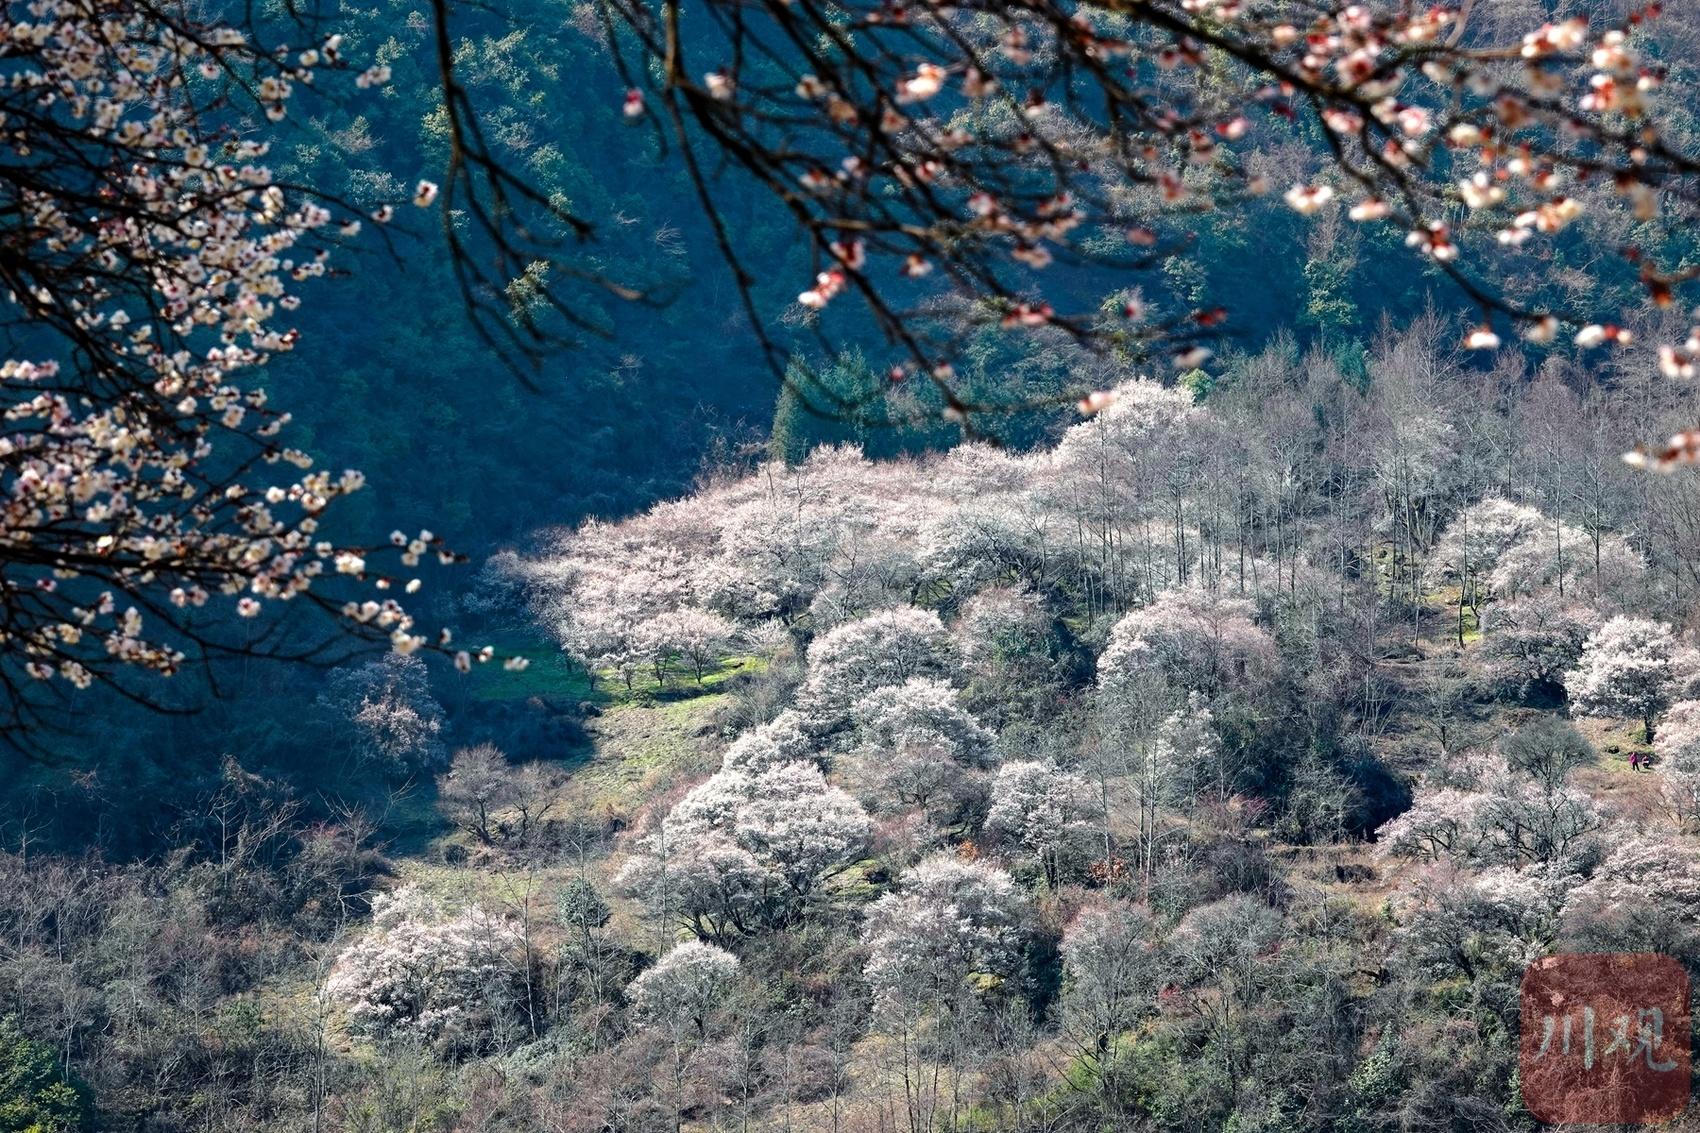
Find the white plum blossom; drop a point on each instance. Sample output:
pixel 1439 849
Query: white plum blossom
pixel 1442 824
pixel 1534 640
pixel 947 918
pixel 923 711
pixel 1470 548
pixel 158 255
pixel 683 988
pixel 387 709
pixel 1678 751
pixel 445 979
pixel 1566 557
pixel 1645 895
pixel 1111 973
pixel 1490 812
pixel 747 848
pixel 1041 809
pixel 694 637
pixel 798 827
pixel 914 745
pixel 1198 640
pixel 1629 668
pixel 1453 924
pixel 781 740
pixel 889 647
pixel 1496 548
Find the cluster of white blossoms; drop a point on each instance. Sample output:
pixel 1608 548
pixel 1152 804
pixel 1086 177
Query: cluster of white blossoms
pixel 139 474
pixel 1199 639
pixel 683 987
pixel 945 919
pixel 422 972
pixel 1496 548
pixel 746 849
pixel 840 536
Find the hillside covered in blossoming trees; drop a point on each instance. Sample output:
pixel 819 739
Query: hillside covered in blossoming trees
pixel 1029 567
pixel 1206 769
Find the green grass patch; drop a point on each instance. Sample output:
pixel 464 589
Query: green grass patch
pixel 553 675
pixel 679 685
pixel 550 673
pixel 1616 746
pixel 639 747
pixel 1447 598
pixel 855 885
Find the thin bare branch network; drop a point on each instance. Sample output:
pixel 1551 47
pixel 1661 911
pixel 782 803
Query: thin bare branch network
pixel 1009 163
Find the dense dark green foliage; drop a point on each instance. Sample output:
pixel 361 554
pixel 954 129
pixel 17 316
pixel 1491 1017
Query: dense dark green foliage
pixel 35 1096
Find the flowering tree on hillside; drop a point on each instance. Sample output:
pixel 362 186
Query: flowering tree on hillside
pixel 448 980
pixel 1629 667
pixel 1567 559
pixel 386 709
pixel 1645 896
pixel 1512 810
pixel 1042 810
pixel 678 995
pixel 1197 640
pixel 746 849
pixel 1469 550
pixel 946 919
pixel 780 740
pixel 1443 823
pixel 692 637
pixel 920 711
pixel 1532 641
pixel 1678 749
pixel 683 987
pixel 1134 463
pixel 1536 566
pixel 1111 974
pixel 1488 926
pixel 940 945
pixel 884 648
pixel 916 745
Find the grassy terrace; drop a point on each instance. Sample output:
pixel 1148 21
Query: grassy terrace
pixel 552 675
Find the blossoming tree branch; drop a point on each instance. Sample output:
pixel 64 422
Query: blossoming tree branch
pixel 150 263
pixel 955 165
